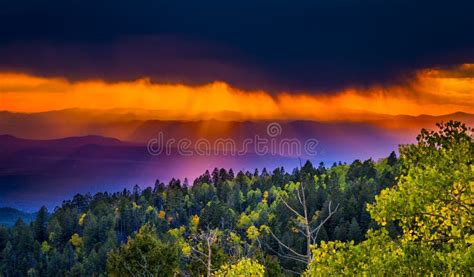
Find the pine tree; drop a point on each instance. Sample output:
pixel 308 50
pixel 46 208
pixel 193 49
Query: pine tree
pixel 340 233
pixel 354 233
pixel 40 225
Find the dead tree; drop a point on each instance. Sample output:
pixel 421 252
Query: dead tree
pixel 309 225
pixel 207 240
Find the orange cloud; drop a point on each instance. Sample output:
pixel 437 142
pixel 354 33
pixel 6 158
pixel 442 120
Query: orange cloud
pixel 433 91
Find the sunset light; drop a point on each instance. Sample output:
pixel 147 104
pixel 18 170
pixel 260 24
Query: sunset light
pixel 431 91
pixel 236 138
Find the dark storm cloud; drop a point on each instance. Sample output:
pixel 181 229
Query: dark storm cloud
pixel 277 45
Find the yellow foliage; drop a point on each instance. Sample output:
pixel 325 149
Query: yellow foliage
pixel 186 249
pixel 45 247
pixel 161 214
pixel 150 209
pixel 135 206
pixel 234 238
pixel 244 268
pixel 194 223
pixel 253 232
pixel 76 240
pixel 82 218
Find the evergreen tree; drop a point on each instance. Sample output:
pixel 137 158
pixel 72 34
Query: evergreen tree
pixel 41 225
pixel 279 220
pixel 341 231
pixel 354 233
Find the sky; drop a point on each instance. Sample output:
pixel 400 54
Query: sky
pixel 274 40
pixel 360 76
pixel 434 92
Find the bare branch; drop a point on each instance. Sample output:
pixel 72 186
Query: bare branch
pixel 331 212
pixel 203 262
pixel 305 261
pixel 289 207
pixel 197 251
pixel 286 246
pixel 287 256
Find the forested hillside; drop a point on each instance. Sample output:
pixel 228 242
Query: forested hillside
pixel 406 215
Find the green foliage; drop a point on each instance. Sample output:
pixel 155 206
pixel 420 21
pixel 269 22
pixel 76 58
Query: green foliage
pixel 354 232
pixel 40 225
pixel 379 254
pixel 145 255
pixel 409 215
pixel 433 201
pixel 432 204
pixel 45 247
pixel 374 256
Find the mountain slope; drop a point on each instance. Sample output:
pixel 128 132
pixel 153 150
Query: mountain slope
pixel 9 216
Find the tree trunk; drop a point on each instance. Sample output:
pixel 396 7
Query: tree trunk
pixel 209 259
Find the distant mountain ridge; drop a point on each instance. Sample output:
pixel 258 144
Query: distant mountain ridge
pixel 37 172
pixel 137 125
pixel 10 144
pixel 47 157
pixel 9 216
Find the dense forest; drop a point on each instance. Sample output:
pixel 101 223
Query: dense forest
pixel 410 214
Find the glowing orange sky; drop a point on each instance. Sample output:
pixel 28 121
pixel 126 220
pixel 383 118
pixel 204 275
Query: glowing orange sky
pixel 432 91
